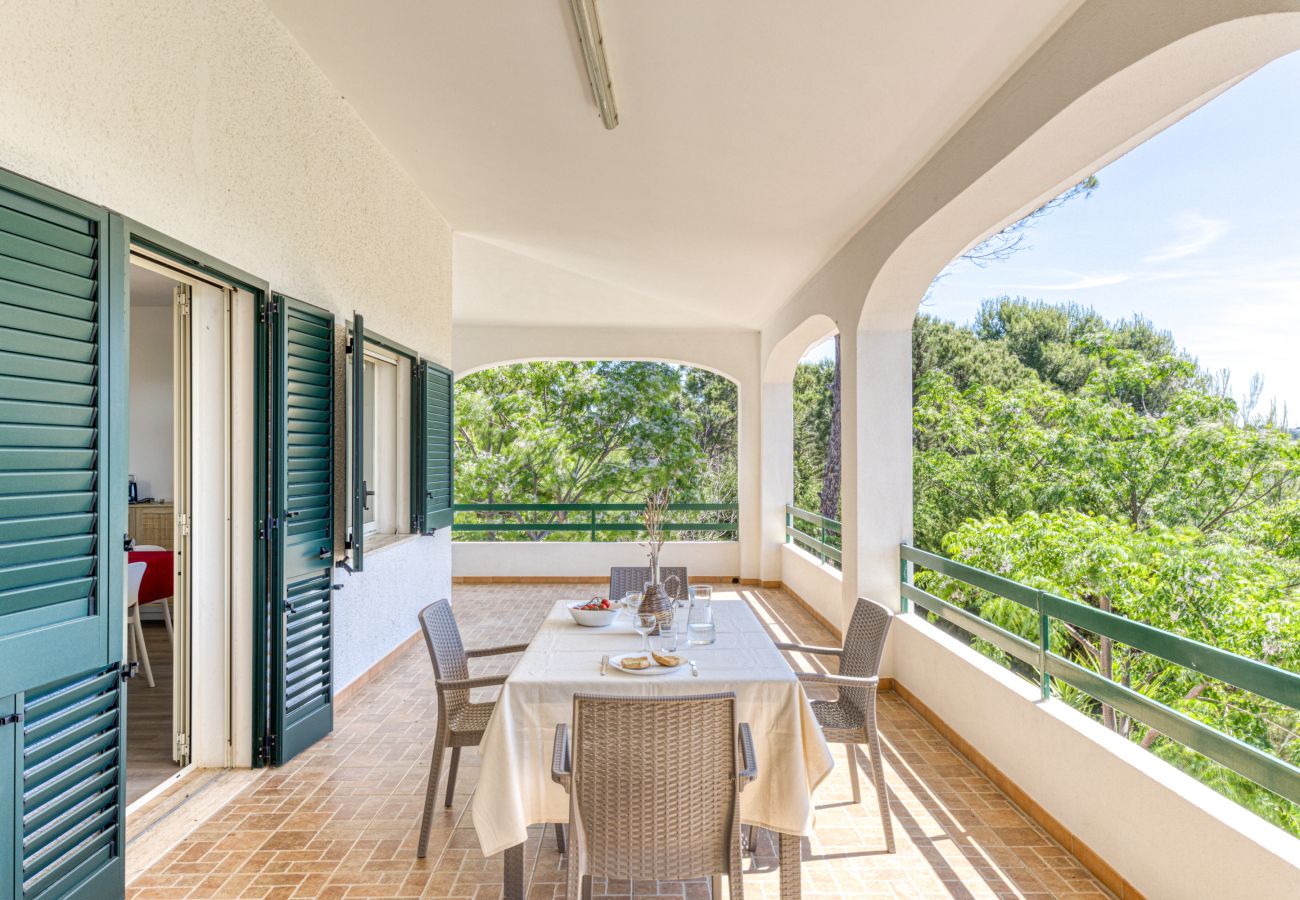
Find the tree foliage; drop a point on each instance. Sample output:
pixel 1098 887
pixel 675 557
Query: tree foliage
pixel 593 432
pixel 1095 460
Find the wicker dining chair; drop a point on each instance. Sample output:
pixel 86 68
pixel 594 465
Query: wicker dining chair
pixel 460 722
pixel 628 579
pixel 850 719
pixel 654 788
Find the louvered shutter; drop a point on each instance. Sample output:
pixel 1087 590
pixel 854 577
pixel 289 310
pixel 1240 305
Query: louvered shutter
pixel 303 667
pixel 434 440
pixel 71 786
pixel 61 472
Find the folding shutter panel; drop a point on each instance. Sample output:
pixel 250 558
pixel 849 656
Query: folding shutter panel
pixel 61 778
pixel 436 448
pixel 304 709
pixel 360 490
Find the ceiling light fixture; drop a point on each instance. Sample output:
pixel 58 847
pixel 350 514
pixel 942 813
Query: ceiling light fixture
pixel 593 55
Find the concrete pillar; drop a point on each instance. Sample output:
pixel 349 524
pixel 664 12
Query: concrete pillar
pixel 877 491
pixel 777 473
pixel 749 468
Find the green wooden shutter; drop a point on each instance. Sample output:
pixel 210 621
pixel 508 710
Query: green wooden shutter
pixel 434 447
pixel 360 490
pixel 72 768
pixel 62 511
pixel 303 706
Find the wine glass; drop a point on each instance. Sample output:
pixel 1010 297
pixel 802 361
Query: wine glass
pixel 644 624
pixel 632 602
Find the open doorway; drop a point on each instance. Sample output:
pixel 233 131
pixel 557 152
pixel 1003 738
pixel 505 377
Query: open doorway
pixel 180 617
pixel 156 560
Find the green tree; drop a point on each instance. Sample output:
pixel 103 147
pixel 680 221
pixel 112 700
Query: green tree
pixel 1095 460
pixel 592 432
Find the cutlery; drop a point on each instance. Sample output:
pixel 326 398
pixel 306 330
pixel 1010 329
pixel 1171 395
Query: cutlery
pixel 604 663
pixel 695 672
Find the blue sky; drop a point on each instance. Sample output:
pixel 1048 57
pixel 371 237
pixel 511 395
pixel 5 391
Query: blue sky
pixel 1198 230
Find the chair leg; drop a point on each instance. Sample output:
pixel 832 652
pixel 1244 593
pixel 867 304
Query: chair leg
pixel 431 793
pixel 559 839
pixel 451 775
pixel 586 887
pixel 167 619
pixel 878 774
pixel 716 887
pixel 852 751
pixel 142 649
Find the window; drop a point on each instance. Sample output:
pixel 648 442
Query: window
pixel 399 426
pixel 379 432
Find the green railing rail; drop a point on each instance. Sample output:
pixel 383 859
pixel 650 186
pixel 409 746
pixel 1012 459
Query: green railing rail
pixel 1259 678
pixel 813 533
pixel 593 525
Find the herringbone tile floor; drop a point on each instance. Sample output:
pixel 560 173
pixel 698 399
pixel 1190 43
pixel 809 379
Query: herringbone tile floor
pixel 342 819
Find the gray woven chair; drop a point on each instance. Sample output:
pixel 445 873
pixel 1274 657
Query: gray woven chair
pixel 460 722
pixel 625 579
pixel 851 718
pixel 654 788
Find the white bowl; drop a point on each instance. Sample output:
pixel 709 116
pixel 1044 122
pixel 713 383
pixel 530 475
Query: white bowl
pixel 592 618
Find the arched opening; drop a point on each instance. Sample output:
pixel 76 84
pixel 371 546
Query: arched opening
pixel 569 450
pixel 816 454
pixel 1074 430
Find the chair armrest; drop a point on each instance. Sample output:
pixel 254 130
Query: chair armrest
pixel 838 680
pixel 804 648
pixel 561 769
pixel 747 757
pixel 496 651
pixel 464 684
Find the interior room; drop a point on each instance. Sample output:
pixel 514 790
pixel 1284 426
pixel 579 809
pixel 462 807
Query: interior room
pixel 151 566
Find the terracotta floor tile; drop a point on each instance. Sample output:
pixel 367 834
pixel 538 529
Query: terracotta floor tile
pixel 342 819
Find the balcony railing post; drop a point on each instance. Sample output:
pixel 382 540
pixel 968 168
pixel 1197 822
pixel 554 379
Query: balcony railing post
pixel 822 553
pixel 789 523
pixel 905 576
pixel 1044 647
pixel 593 524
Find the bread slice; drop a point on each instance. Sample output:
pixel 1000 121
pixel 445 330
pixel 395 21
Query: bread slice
pixel 634 662
pixel 668 660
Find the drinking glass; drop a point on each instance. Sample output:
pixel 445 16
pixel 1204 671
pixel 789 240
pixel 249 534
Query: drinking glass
pixel 644 624
pixel 668 639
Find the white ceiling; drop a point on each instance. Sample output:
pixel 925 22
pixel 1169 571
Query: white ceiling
pixel 755 136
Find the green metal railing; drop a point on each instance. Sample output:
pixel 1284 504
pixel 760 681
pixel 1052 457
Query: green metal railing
pixel 1259 678
pixel 564 517
pixel 820 536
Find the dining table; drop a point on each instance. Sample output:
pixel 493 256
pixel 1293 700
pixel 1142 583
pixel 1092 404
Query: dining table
pixel 515 789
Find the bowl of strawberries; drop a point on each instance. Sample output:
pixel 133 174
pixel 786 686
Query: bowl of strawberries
pixel 594 613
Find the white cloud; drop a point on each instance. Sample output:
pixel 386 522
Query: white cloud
pixel 1196 232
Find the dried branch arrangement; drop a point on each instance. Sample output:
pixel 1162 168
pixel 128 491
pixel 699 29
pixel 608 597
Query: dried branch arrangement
pixel 656 511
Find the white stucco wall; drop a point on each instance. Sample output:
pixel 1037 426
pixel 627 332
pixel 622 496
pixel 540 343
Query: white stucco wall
pixel 207 122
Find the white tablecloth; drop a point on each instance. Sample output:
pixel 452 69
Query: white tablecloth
pixel 514 786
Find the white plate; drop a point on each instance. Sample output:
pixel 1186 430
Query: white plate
pixel 655 668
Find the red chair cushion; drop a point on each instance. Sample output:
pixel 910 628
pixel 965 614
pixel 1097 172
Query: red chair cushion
pixel 158 573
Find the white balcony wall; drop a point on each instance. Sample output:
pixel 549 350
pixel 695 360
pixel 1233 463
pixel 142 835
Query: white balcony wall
pixel 211 125
pixel 818 585
pixel 1166 833
pixel 521 560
